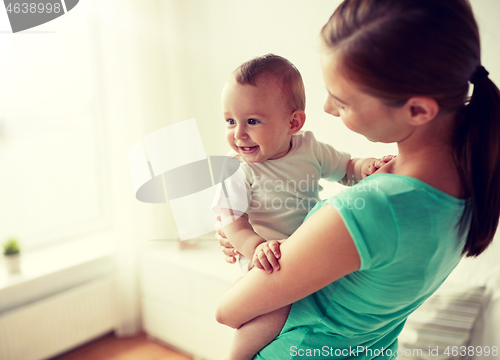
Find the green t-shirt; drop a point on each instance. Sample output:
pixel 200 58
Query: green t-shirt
pixel 407 237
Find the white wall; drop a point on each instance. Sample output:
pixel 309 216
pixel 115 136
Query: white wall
pixel 208 39
pixel 205 41
pixel 164 61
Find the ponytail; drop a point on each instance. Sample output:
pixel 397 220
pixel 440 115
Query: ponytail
pixel 477 154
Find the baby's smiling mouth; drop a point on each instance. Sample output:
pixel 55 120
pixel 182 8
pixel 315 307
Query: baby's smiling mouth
pixel 248 149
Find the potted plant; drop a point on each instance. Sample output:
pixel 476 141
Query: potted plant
pixel 12 255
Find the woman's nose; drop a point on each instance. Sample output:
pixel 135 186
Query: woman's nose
pixel 331 109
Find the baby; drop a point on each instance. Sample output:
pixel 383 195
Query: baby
pixel 263 104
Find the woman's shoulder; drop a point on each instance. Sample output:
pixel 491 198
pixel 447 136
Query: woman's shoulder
pixel 393 199
pixel 384 210
pixel 396 187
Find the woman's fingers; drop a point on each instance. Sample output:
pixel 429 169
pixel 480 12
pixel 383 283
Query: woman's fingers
pixel 220 232
pixel 224 242
pixel 228 250
pixel 230 259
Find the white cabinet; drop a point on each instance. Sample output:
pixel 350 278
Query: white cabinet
pixel 180 289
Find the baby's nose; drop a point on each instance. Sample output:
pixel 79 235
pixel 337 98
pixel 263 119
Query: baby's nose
pixel 240 133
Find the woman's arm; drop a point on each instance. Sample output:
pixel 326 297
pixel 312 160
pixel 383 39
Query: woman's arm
pixel 318 253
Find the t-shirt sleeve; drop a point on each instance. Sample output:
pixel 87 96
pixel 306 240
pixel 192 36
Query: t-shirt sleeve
pixel 370 220
pixel 333 163
pixel 233 192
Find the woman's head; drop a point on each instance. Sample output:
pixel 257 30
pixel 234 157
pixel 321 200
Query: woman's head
pixel 398 49
pixel 402 50
pixel 371 116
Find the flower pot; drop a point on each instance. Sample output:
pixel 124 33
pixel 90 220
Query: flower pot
pixel 13 263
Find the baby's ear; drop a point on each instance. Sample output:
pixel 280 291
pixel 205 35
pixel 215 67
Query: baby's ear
pixel 297 120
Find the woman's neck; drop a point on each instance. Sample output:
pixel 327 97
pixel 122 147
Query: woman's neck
pixel 428 156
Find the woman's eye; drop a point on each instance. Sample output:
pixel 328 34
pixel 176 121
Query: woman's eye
pixel 253 121
pixel 338 105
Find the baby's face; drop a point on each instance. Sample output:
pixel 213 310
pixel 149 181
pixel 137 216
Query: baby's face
pixel 257 122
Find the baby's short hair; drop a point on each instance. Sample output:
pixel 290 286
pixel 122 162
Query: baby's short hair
pixel 279 68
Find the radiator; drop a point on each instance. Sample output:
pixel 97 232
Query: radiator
pixel 53 325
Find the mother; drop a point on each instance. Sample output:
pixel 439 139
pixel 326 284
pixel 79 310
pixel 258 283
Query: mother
pixel 395 71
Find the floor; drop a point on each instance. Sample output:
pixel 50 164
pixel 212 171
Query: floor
pixel 109 347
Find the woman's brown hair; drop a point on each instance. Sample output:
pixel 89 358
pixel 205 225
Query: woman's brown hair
pixel 396 49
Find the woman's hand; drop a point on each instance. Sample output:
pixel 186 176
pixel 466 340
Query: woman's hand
pixel 229 251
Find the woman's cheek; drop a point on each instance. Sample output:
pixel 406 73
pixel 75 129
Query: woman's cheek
pixel 348 123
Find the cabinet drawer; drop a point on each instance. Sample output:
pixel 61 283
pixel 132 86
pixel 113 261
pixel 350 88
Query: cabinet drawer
pixel 167 282
pixel 189 281
pixel 187 331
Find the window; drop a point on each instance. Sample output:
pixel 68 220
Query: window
pixel 50 173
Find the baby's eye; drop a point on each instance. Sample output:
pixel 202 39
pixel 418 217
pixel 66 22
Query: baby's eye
pixel 253 122
pixel 230 122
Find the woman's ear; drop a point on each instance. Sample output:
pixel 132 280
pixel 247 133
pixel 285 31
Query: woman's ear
pixel 297 120
pixel 421 110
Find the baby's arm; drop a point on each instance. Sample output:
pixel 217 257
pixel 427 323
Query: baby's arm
pixel 359 168
pixel 246 241
pixel 240 233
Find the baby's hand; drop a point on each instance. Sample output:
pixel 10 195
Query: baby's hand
pixel 266 255
pixel 372 165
